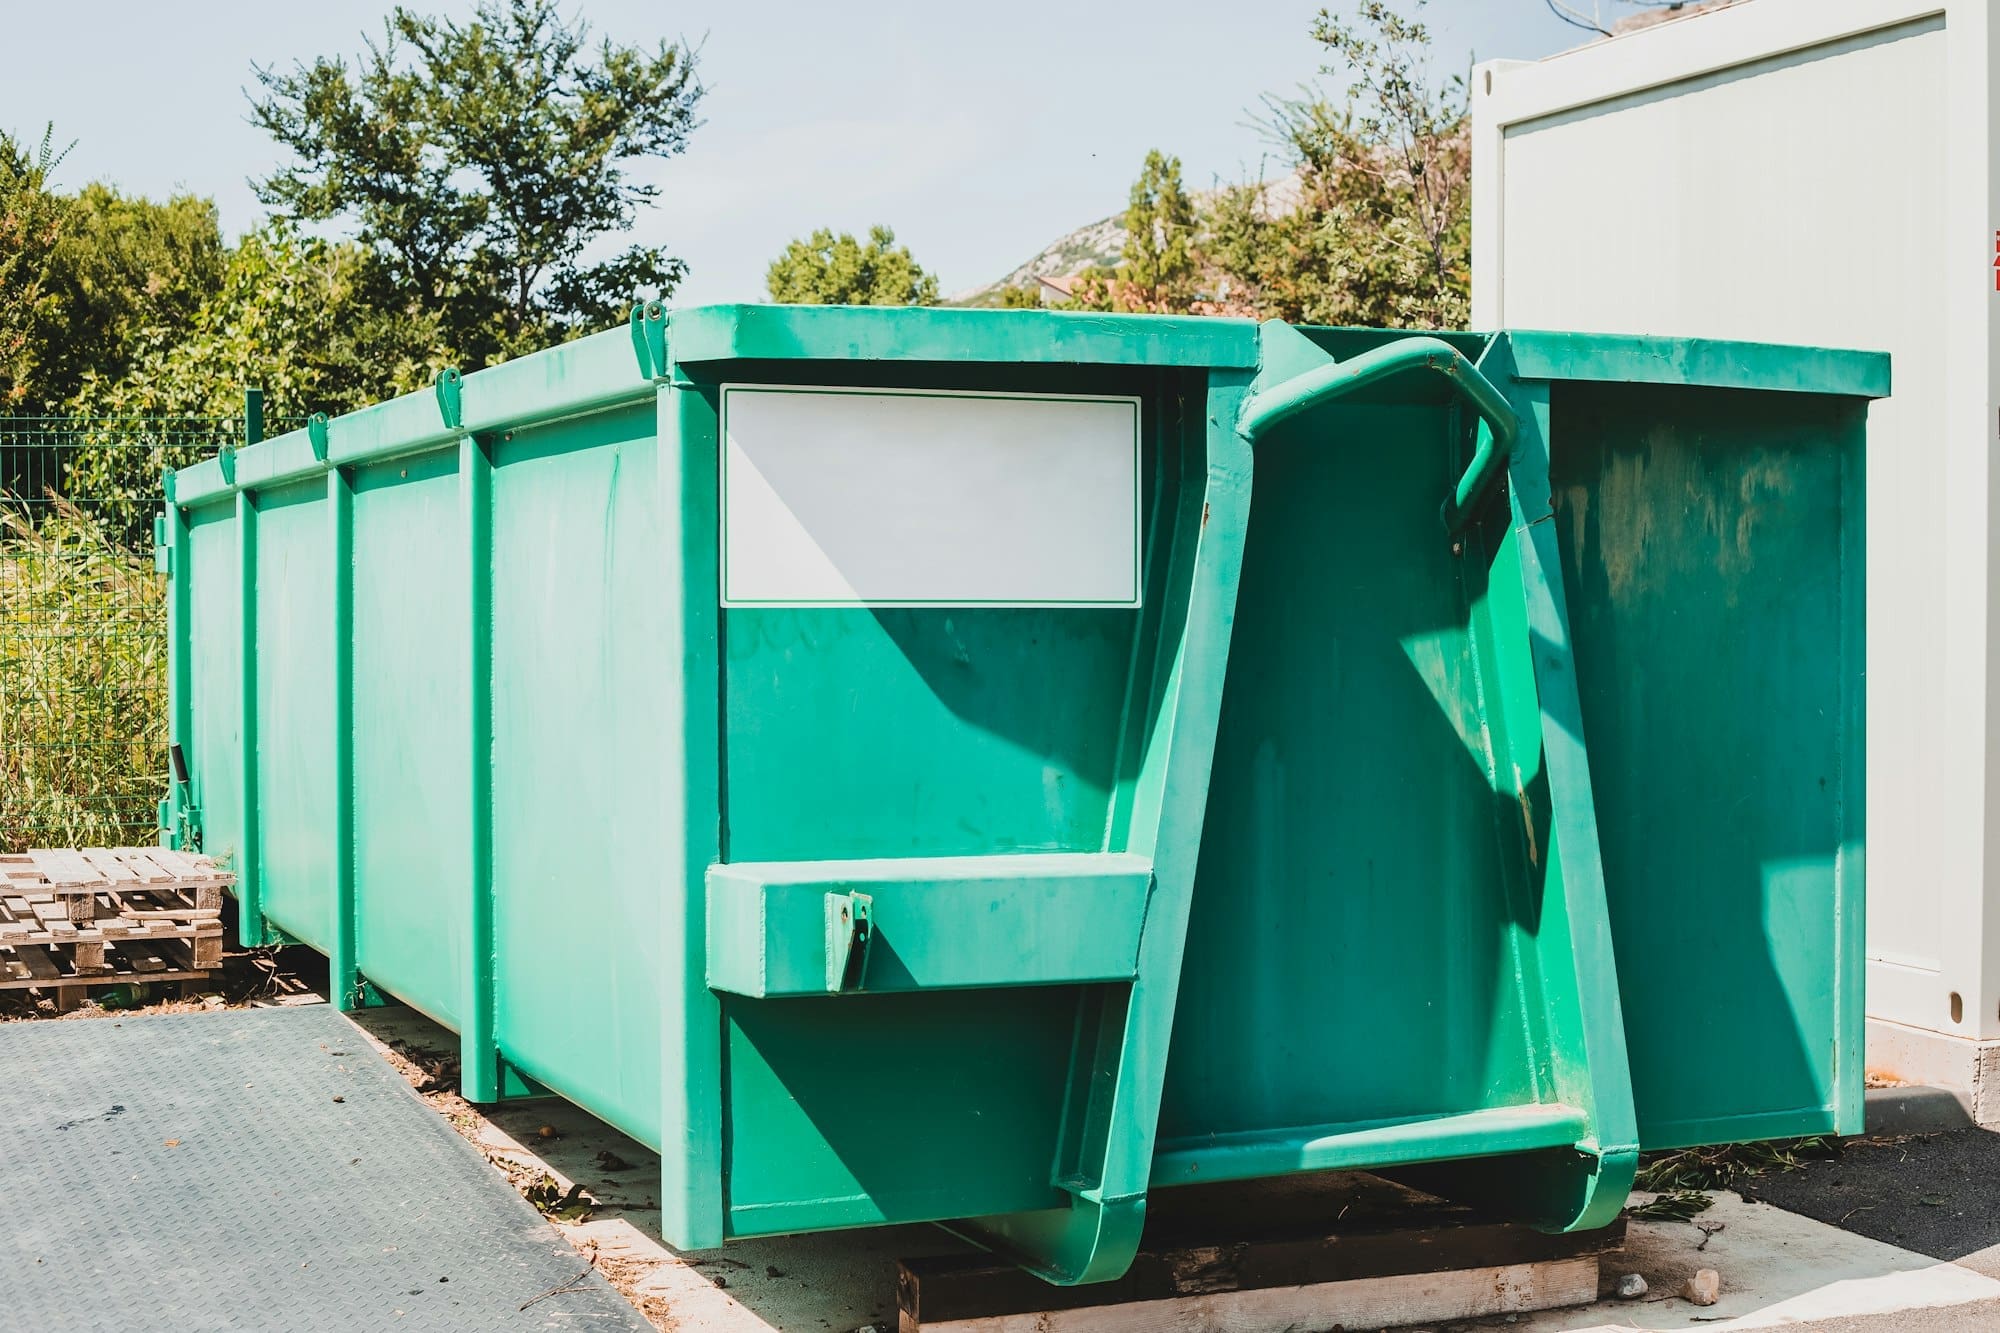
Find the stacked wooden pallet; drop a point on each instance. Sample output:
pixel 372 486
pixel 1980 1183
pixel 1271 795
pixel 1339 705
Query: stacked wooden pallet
pixel 70 919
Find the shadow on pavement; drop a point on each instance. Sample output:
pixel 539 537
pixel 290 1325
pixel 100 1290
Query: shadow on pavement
pixel 1933 1193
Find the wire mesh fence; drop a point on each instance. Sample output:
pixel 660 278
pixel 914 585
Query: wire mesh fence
pixel 83 632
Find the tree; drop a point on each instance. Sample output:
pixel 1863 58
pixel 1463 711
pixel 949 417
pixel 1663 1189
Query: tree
pixel 1022 296
pixel 126 272
pixel 825 269
pixel 479 161
pixel 106 271
pixel 1381 233
pixel 31 222
pixel 292 314
pixel 1408 133
pixel 1157 270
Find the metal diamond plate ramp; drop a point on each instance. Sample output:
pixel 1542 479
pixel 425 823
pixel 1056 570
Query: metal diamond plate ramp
pixel 255 1169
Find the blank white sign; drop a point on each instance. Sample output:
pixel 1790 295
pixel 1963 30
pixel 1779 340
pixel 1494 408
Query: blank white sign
pixel 890 497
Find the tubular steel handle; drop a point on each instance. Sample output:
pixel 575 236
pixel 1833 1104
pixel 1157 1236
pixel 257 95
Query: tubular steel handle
pixel 1283 401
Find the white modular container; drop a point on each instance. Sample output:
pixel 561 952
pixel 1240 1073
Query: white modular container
pixel 1819 172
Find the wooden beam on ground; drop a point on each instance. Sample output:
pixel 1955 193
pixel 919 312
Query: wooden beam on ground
pixel 1269 1256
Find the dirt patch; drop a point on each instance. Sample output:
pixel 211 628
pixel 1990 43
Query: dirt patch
pixel 434 1076
pixel 628 1275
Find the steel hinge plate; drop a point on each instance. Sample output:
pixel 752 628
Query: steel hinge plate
pixel 849 928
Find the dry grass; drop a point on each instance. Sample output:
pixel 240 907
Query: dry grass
pixel 1725 1165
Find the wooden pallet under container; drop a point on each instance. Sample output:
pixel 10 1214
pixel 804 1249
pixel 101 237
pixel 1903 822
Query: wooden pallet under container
pixel 71 919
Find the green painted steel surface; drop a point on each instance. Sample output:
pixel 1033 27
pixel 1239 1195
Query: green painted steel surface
pixel 578 679
pixel 1711 540
pixel 296 656
pixel 1357 844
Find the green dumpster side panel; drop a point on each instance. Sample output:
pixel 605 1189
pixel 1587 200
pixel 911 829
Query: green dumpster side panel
pixel 1711 544
pixel 956 732
pixel 411 870
pixel 863 1137
pixel 295 656
pixel 215 602
pixel 939 721
pixel 577 679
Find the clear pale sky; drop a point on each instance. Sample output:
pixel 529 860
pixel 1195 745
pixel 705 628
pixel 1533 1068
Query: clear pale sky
pixel 980 132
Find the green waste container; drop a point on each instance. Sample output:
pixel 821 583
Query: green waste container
pixel 1599 753
pixel 976 766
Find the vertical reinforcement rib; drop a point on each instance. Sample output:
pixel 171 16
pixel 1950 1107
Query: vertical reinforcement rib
pixel 479 1057
pixel 343 979
pixel 250 929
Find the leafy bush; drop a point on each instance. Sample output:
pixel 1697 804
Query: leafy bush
pixel 825 269
pixel 289 317
pixel 83 708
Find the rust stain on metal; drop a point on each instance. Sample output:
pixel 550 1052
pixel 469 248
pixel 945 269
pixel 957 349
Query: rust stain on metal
pixel 1527 820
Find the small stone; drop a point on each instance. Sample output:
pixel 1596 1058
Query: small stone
pixel 340 1099
pixel 546 1132
pixel 1629 1287
pixel 1704 1288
